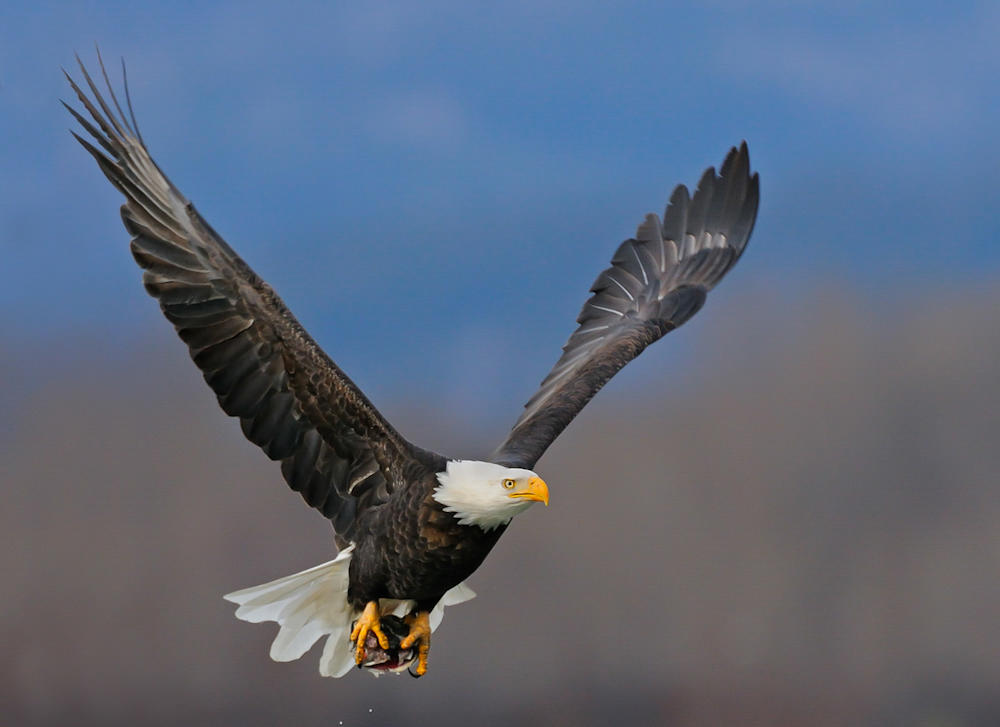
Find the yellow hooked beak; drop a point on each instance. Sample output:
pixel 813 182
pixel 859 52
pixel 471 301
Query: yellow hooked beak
pixel 536 490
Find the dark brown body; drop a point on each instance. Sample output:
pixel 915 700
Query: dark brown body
pixel 410 548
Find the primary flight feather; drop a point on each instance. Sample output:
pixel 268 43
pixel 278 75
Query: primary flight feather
pixel 411 524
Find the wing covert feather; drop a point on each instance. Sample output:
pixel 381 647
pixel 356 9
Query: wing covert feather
pixel 657 281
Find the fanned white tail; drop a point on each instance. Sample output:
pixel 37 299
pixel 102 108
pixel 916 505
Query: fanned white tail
pixel 313 604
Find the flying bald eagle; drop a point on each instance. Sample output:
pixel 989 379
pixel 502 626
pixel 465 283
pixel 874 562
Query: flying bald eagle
pixel 410 525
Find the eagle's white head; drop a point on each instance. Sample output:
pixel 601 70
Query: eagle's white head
pixel 487 494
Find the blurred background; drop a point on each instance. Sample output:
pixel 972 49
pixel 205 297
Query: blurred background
pixel 787 514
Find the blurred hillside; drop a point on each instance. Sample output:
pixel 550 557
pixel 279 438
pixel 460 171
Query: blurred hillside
pixel 797 526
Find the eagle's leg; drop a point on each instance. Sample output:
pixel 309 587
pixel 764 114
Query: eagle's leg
pixel 420 633
pixel 368 621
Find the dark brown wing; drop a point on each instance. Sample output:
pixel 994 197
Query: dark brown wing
pixel 656 282
pixel 292 400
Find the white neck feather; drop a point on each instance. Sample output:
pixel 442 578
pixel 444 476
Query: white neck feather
pixel 473 492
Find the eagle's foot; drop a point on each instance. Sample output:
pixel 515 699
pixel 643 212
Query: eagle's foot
pixel 367 622
pixel 420 634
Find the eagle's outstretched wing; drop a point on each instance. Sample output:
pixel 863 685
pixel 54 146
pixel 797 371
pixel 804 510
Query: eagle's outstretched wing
pixel 292 400
pixel 656 282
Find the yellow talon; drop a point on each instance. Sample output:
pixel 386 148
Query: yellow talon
pixel 367 622
pixel 420 631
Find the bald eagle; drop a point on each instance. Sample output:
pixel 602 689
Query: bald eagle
pixel 410 525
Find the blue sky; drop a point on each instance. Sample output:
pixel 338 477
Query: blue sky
pixel 432 186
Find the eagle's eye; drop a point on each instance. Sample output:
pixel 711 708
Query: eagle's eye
pixel 508 484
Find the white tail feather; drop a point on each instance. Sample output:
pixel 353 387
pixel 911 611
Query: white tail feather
pixel 313 604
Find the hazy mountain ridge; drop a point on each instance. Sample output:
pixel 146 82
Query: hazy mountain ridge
pixel 806 518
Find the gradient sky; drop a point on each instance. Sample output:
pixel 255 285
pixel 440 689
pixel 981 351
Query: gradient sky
pixel 432 186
